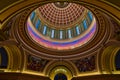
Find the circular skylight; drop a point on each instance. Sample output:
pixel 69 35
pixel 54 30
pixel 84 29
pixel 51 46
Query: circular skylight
pixel 61 4
pixel 61 26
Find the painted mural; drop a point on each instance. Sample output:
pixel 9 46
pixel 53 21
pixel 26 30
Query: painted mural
pixel 85 64
pixel 35 63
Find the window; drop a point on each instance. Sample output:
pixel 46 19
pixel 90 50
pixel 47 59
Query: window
pixel 52 34
pixel 37 24
pixel 81 28
pixel 32 16
pixel 90 15
pixel 44 30
pixel 0 59
pixel 69 33
pixel 85 24
pixel 3 58
pixel 117 61
pixel 77 30
pixel 88 20
pixel 61 34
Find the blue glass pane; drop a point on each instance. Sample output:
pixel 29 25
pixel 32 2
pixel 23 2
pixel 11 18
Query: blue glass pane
pixel 32 15
pixel 90 15
pixel 77 30
pixel 37 24
pixel 61 34
pixel 69 34
pixel 44 30
pixel 52 35
pixel 85 24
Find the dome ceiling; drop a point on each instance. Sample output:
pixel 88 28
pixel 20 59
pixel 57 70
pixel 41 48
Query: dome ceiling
pixel 61 26
pixel 61 15
pixel 37 35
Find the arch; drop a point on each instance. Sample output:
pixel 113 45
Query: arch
pixel 116 61
pixel 108 59
pixel 60 69
pixel 14 58
pixel 54 66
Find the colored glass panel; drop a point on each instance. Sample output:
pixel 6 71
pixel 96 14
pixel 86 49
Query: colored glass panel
pixel 90 15
pixel 85 24
pixel 77 30
pixel 69 33
pixel 32 15
pixel 88 20
pixel 44 30
pixel 37 24
pixel 52 35
pixel 61 34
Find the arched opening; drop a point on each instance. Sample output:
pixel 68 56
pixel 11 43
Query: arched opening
pixel 117 60
pixel 110 60
pixel 3 58
pixel 60 76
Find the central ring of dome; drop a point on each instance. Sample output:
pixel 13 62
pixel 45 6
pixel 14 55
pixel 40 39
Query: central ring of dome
pixel 61 26
pixel 61 4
